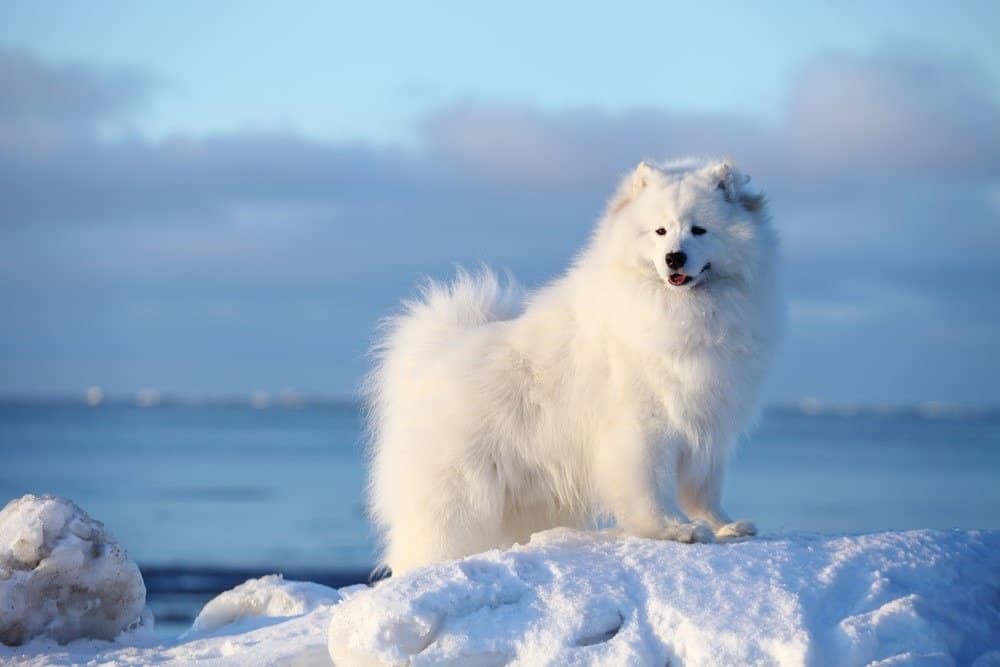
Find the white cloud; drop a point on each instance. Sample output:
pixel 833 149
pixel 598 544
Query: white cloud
pixel 882 175
pixel 893 111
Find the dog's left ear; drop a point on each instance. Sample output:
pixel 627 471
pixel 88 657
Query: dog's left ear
pixel 631 186
pixel 730 182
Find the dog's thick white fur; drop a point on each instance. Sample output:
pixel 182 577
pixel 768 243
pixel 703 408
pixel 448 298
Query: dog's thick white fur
pixel 614 391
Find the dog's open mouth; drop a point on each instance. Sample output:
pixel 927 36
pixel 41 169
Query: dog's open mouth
pixel 679 279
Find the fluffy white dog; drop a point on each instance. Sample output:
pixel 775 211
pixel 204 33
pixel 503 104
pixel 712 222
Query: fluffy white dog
pixel 615 391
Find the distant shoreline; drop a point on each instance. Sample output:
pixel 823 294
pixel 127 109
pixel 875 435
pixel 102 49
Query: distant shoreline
pixel 805 407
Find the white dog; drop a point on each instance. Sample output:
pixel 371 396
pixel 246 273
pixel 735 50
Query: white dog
pixel 615 391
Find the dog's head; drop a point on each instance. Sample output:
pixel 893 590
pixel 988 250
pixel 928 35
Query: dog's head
pixel 689 222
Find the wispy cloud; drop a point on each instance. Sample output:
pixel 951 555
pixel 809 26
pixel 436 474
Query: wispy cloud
pixel 883 171
pixel 908 114
pixel 50 107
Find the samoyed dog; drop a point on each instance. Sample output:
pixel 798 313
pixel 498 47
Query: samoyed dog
pixel 614 392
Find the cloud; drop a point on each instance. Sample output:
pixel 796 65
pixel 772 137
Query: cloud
pixel 848 116
pixel 92 179
pixel 209 252
pixel 47 107
pixel 526 148
pixel 894 112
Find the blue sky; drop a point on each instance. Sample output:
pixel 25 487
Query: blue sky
pixel 370 71
pixel 223 197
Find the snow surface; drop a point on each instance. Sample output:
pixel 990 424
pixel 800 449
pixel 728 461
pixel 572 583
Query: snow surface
pixel 573 598
pixel 267 597
pixel 920 597
pixel 267 621
pixel 62 576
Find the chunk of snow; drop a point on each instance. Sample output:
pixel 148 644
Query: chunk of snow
pixel 63 576
pixel 264 598
pixel 593 599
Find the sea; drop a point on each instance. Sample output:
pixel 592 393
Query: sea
pixel 205 495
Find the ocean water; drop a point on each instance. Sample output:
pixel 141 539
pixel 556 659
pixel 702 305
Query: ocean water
pixel 203 497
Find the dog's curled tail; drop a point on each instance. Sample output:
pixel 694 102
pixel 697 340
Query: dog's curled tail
pixel 409 348
pixel 443 311
pixel 421 331
pixel 469 300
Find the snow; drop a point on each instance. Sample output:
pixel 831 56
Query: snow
pixel 264 598
pixel 573 598
pixel 266 621
pixel 62 576
pixel 919 597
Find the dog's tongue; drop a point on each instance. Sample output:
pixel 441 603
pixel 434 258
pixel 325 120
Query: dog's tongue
pixel 678 279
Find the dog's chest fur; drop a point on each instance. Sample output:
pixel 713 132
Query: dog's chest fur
pixel 703 391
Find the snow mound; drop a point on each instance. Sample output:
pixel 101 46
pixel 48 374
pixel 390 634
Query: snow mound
pixel 63 576
pixel 571 598
pixel 266 622
pixel 268 597
pixel 921 597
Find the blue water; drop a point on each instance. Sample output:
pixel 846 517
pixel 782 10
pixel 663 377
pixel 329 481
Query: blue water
pixel 282 487
pixel 221 486
pixel 204 497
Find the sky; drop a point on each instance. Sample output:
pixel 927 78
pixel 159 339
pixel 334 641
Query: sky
pixel 218 198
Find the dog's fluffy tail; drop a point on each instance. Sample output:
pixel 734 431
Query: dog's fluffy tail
pixel 410 345
pixel 442 312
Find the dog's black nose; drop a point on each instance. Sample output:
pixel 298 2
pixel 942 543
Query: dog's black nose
pixel 675 260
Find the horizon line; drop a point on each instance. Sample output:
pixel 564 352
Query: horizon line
pixel 291 400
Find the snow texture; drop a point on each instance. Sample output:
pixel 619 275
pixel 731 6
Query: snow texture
pixel 64 577
pixel 572 598
pixel 265 598
pixel 264 622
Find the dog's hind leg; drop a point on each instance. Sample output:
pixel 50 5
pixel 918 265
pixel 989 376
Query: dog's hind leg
pixel 699 487
pixel 459 516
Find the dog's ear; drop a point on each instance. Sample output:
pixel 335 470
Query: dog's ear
pixel 730 182
pixel 631 186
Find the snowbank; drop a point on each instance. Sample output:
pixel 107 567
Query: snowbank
pixel 63 576
pixel 266 621
pixel 265 598
pixel 574 598
pixel 924 597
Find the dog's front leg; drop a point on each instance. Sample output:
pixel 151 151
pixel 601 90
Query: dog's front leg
pixel 699 487
pixel 628 484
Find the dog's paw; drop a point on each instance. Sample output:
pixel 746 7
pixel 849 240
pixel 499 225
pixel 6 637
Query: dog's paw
pixel 689 533
pixel 736 529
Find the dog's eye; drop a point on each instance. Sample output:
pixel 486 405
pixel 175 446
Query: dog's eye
pixel 697 231
pixel 661 231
